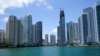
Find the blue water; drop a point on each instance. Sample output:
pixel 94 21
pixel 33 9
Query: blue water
pixel 51 51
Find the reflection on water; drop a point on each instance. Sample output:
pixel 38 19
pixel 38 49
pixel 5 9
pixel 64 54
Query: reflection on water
pixel 51 51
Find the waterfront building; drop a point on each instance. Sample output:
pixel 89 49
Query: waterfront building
pixel 80 30
pixel 20 33
pixel 76 37
pixel 58 36
pixel 96 11
pixel 83 28
pixel 39 33
pixel 62 38
pixel 12 30
pixel 34 34
pixel 52 39
pixel 27 29
pixel 46 38
pixel 90 20
pixel 2 36
pixel 72 32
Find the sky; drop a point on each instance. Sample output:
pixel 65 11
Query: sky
pixel 46 11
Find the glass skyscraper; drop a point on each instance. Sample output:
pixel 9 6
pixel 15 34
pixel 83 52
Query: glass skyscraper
pixel 90 20
pixel 80 33
pixel 27 29
pixel 97 21
pixel 72 32
pixel 58 35
pixel 34 33
pixel 83 28
pixel 39 33
pixel 52 39
pixel 46 38
pixel 62 38
pixel 20 33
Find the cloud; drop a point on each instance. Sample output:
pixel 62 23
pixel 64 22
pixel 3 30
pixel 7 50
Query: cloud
pixel 43 2
pixel 54 30
pixel 49 7
pixel 4 4
pixel 2 11
pixel 5 19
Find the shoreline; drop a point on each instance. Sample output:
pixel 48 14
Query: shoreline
pixel 49 46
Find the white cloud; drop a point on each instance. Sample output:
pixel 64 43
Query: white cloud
pixel 49 7
pixel 43 2
pixel 6 19
pixel 2 11
pixel 4 4
pixel 54 30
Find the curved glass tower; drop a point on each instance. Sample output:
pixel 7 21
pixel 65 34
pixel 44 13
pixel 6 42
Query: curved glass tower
pixel 27 29
pixel 62 28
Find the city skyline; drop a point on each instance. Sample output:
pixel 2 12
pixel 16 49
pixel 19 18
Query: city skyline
pixel 46 7
pixel 49 27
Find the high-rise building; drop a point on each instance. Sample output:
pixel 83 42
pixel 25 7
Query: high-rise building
pixel 27 29
pixel 96 11
pixel 2 36
pixel 83 28
pixel 39 33
pixel 80 33
pixel 20 33
pixel 68 32
pixel 72 32
pixel 46 38
pixel 76 37
pixel 62 28
pixel 34 34
pixel 58 36
pixel 12 30
pixel 90 19
pixel 52 39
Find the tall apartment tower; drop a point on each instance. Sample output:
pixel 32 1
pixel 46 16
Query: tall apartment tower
pixel 2 36
pixel 12 30
pixel 52 39
pixel 46 38
pixel 27 29
pixel 83 28
pixel 20 33
pixel 34 33
pixel 72 32
pixel 96 11
pixel 39 33
pixel 90 20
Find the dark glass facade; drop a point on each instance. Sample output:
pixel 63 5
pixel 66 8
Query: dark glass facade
pixel 98 20
pixel 62 27
pixel 67 32
pixel 39 33
pixel 85 27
